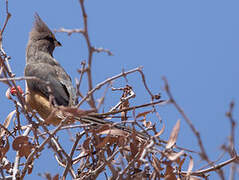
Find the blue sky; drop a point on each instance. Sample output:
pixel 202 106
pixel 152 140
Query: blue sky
pixel 193 43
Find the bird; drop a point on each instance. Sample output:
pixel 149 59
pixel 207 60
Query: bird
pixel 52 80
pixel 49 86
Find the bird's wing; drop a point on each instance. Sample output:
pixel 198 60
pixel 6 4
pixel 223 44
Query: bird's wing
pixel 59 82
pixel 66 80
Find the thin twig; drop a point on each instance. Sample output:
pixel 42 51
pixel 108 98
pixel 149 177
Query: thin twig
pixel 231 147
pixel 98 86
pixel 69 31
pixel 160 102
pixel 69 163
pixel 17 158
pixel 203 153
pixel 40 148
pixel 213 168
pixel 6 20
pixel 90 53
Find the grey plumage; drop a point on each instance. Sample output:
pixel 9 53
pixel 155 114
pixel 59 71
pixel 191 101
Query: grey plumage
pixel 41 64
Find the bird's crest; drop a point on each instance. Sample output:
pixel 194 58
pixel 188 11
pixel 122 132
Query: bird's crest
pixel 41 27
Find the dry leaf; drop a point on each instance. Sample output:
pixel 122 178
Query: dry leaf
pixel 133 149
pixel 156 164
pixel 7 122
pixel 180 164
pixel 107 129
pixel 160 132
pixel 114 140
pixel 104 142
pixel 8 93
pixel 194 178
pixel 173 136
pixel 169 175
pixel 190 166
pixel 121 141
pixel 25 150
pixel 48 176
pixel 102 128
pixel 86 144
pixel 147 124
pixel 143 114
pixel 6 164
pixel 1 69
pixel 56 177
pixel 115 132
pixel 173 156
pixel 4 148
pixel 30 168
pixel 18 141
pixel 22 145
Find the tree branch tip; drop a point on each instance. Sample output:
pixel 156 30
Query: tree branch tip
pixel 9 15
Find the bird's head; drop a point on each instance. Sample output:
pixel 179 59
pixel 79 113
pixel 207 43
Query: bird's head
pixel 42 37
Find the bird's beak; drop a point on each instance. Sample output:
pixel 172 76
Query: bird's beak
pixel 57 43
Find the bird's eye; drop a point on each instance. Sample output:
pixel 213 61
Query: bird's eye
pixel 49 38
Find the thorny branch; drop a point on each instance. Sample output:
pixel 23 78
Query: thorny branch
pixel 189 122
pixel 98 86
pixel 100 148
pixel 203 153
pixel 231 147
pixel 90 53
pixel 40 148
